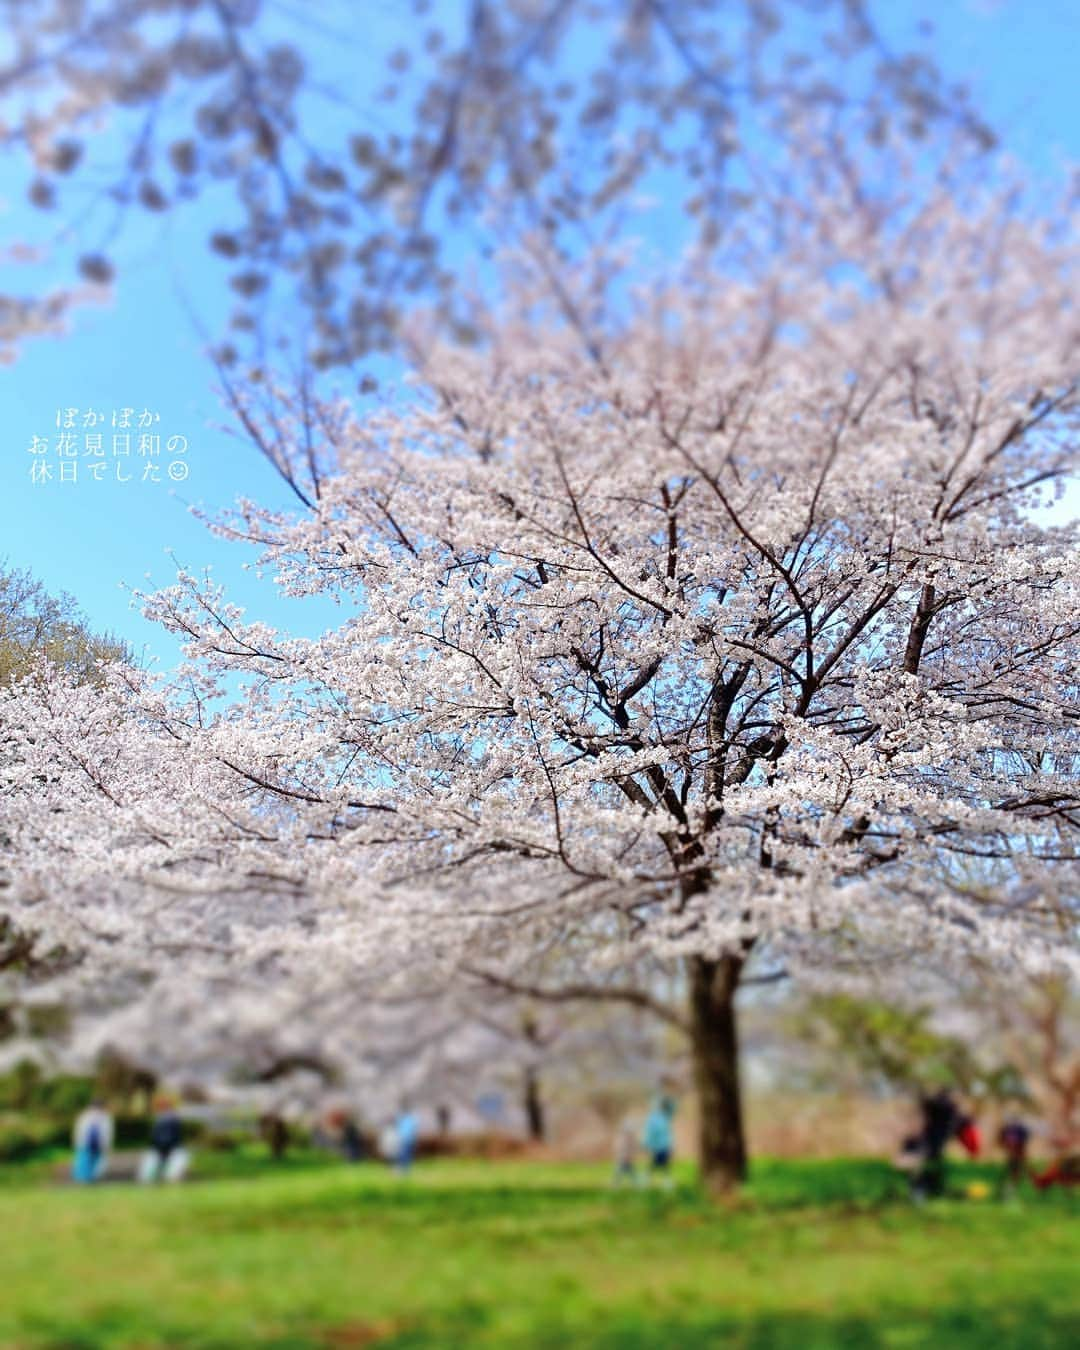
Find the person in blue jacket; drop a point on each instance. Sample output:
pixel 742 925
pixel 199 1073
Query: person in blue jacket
pixel 658 1137
pixel 93 1137
pixel 406 1135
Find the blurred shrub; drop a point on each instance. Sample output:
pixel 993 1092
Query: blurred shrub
pixel 22 1137
pixel 898 1048
pixel 223 1141
pixel 26 1087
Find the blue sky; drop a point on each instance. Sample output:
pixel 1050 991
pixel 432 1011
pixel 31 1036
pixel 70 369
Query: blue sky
pixel 142 350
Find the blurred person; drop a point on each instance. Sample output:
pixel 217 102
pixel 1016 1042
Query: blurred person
pixel 406 1136
pixel 332 1130
pixel 388 1142
pixel 626 1147
pixel 352 1141
pixel 92 1138
pixel 166 1159
pixel 969 1135
pixel 1064 1171
pixel 1013 1139
pixel 940 1121
pixel 321 1134
pixel 658 1138
pixel 275 1132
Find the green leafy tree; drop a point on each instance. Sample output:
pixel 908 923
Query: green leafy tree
pixel 37 626
pixel 898 1048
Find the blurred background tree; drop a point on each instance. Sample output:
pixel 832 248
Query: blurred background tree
pixel 36 626
pixel 353 162
pixel 898 1049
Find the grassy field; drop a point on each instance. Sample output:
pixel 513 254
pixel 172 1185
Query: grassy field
pixel 468 1254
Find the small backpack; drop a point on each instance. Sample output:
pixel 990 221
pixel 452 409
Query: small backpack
pixel 970 1137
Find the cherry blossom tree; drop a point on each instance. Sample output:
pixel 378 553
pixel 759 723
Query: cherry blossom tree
pixel 164 957
pixel 703 623
pixel 213 964
pixel 334 190
pixel 38 628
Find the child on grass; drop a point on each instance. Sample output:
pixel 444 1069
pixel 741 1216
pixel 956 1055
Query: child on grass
pixel 658 1139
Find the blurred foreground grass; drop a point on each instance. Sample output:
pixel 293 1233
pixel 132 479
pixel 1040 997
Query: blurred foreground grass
pixel 474 1254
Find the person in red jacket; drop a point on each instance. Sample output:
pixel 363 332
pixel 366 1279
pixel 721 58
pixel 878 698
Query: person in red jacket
pixel 969 1136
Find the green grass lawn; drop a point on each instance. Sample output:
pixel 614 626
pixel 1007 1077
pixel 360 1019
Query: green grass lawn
pixel 473 1254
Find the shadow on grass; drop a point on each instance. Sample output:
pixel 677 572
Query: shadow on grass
pixel 356 1197
pixel 953 1327
pixel 1022 1327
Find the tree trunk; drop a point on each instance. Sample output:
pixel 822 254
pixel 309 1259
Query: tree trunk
pixel 715 1048
pixel 534 1106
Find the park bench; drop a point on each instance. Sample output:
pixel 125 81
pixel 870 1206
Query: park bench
pixel 121 1167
